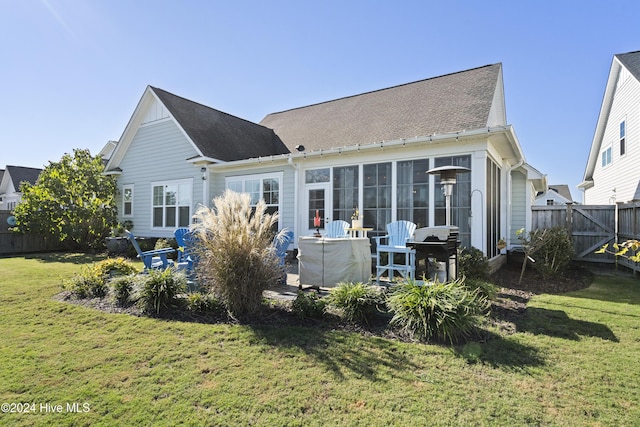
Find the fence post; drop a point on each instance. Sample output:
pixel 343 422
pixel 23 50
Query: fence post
pixel 568 221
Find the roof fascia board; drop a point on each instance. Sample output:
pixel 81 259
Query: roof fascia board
pixel 603 116
pixel 431 139
pixel 134 123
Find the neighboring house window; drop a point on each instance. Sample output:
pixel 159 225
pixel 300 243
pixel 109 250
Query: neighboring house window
pixel 376 186
pixel 460 199
pixel 259 187
pixel 623 147
pixel 127 200
pixel 606 157
pixel 172 203
pixel 413 192
pixel 493 207
pixel 345 192
pixel 550 202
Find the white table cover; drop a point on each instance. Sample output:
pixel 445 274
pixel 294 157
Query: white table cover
pixel 328 261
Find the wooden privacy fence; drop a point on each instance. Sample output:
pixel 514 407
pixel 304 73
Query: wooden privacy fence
pixel 592 226
pixel 15 243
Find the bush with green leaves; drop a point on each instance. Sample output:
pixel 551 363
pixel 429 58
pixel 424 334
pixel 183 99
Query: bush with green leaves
pixel 72 202
pixel 446 312
pixel 116 267
pixel 236 258
pixel 356 302
pixel 204 303
pixel 486 289
pixel 472 263
pixel 160 290
pixel 90 282
pixel 123 288
pixel 308 305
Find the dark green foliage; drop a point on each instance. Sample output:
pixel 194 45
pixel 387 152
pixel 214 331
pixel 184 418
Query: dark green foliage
pixel 486 289
pixel 204 303
pixel 72 202
pixel 123 287
pixel 473 264
pixel 308 305
pixel 356 301
pixel 435 311
pixel 160 290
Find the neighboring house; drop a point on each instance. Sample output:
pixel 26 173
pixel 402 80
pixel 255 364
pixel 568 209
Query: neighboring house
pixel 612 174
pixel 369 151
pixel 555 195
pixel 10 180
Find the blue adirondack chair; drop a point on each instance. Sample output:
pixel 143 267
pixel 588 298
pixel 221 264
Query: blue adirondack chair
pixel 395 242
pixel 281 242
pixel 154 259
pixel 336 228
pixel 184 250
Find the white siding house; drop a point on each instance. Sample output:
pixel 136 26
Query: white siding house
pixel 369 151
pixel 612 174
pixel 10 181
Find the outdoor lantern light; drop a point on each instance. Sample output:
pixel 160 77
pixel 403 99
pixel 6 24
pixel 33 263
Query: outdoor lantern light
pixel 447 179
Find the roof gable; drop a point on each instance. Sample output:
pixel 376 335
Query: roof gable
pixel 631 62
pixel 219 135
pixel 454 102
pixel 19 174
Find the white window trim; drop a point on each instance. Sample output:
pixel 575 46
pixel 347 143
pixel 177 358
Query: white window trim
pixel 125 187
pixel 609 147
pixel 626 146
pixel 273 175
pixel 188 181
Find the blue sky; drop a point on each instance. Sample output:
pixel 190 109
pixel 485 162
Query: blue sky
pixel 73 71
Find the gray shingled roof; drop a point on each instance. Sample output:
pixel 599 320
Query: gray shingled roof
pixel 631 61
pixel 449 103
pixel 563 190
pixel 20 174
pixel 220 135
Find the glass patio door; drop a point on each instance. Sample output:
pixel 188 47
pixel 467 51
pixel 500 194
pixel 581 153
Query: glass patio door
pixel 318 199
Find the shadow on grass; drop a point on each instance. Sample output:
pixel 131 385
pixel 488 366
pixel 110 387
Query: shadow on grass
pixel 372 358
pixel 556 323
pixel 500 352
pixel 66 257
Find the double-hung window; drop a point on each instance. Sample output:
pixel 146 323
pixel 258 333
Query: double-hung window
pixel 606 156
pixel 623 131
pixel 267 187
pixel 171 205
pixel 127 200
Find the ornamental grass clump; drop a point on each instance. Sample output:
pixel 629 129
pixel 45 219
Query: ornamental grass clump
pixel 444 312
pixel 236 258
pixel 160 290
pixel 356 302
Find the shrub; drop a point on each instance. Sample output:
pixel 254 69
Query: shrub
pixel 441 311
pixel 356 301
pixel 236 260
pixel 160 290
pixel 90 282
pixel 484 288
pixel 551 248
pixel 308 305
pixel 116 267
pixel 473 264
pixel 123 287
pixel 200 302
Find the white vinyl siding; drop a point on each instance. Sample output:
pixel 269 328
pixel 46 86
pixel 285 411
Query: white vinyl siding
pixel 618 180
pixel 149 160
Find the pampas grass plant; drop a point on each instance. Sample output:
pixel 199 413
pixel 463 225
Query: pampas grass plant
pixel 236 258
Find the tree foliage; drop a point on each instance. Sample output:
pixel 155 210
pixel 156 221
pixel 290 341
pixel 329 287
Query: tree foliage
pixel 72 202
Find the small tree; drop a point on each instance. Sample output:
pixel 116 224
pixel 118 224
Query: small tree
pixel 622 250
pixel 72 202
pixel 550 249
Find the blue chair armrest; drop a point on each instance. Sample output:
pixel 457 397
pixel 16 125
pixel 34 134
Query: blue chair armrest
pixel 158 251
pixel 379 238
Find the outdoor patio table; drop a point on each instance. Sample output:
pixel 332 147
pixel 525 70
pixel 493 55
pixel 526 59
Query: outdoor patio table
pixel 328 261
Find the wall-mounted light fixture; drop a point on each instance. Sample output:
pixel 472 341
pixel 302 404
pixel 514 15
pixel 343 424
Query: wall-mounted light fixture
pixel 203 170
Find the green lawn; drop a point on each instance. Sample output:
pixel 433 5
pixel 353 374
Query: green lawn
pixel 575 361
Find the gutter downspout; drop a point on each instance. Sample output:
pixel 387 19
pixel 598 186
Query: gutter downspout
pixel 295 198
